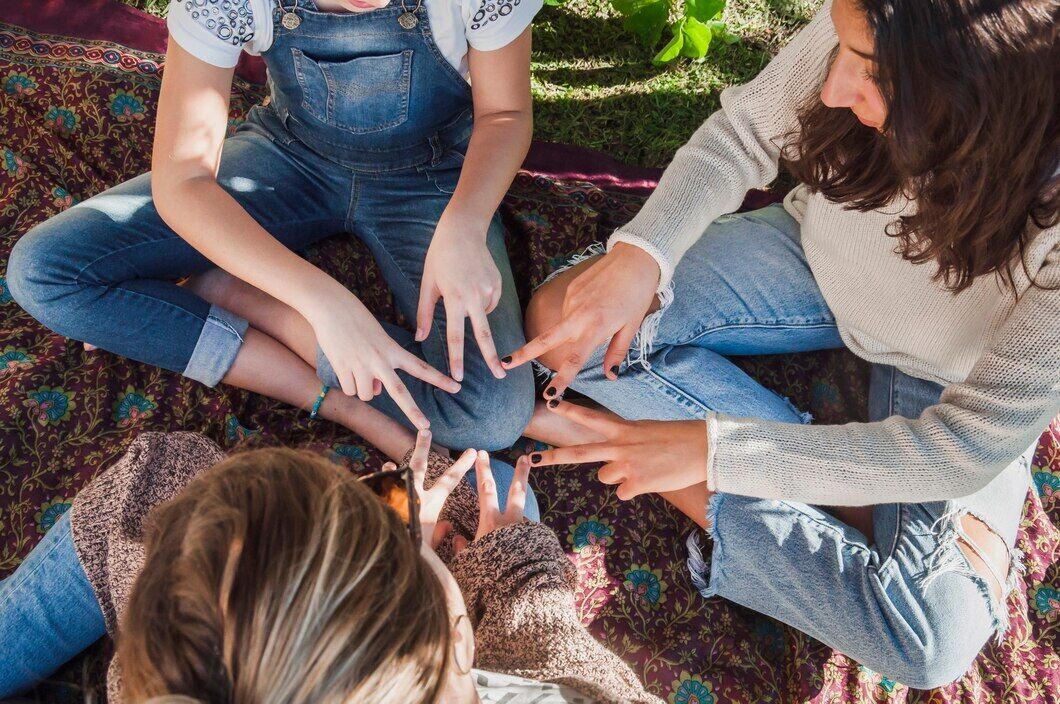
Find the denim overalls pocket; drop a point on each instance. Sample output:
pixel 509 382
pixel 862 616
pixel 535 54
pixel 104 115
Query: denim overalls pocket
pixel 362 95
pixel 445 173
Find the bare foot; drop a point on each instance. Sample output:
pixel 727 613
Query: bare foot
pixel 545 426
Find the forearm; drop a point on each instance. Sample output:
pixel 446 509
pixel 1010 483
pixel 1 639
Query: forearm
pixel 219 228
pixel 498 146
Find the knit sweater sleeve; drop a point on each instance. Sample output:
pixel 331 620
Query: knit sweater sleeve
pixel 107 517
pixel 735 150
pixel 953 449
pixel 519 588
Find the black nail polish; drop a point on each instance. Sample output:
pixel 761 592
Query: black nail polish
pixel 554 403
pixel 535 458
pixel 507 360
pixel 614 370
pixel 550 392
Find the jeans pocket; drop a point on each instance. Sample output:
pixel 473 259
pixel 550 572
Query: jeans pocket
pixel 362 95
pixel 446 172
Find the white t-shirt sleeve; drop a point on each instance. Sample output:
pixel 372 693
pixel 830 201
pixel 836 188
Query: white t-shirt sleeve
pixel 217 31
pixel 493 24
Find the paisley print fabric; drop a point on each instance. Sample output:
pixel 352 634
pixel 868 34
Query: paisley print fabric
pixel 76 116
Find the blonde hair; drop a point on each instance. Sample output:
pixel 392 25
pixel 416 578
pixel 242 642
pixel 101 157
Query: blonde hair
pixel 277 577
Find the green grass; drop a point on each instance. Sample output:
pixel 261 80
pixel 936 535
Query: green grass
pixel 594 83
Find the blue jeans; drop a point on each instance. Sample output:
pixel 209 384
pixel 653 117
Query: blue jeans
pixel 908 604
pixel 48 612
pixel 104 272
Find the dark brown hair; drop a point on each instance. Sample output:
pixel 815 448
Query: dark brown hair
pixel 275 576
pixel 972 133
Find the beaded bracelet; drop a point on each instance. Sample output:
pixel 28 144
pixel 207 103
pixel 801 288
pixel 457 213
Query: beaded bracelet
pixel 316 404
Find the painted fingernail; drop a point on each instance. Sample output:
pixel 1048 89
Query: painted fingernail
pixel 554 403
pixel 550 392
pixel 535 458
pixel 506 360
pixel 614 370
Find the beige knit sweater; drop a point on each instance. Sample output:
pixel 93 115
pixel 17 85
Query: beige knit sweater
pixel 517 581
pixel 998 355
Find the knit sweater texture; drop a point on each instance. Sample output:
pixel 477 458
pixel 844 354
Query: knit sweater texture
pixel 996 352
pixel 517 581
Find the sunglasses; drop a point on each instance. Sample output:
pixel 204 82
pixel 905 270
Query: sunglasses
pixel 388 484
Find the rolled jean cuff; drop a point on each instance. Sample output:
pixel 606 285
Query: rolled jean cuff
pixel 325 372
pixel 219 342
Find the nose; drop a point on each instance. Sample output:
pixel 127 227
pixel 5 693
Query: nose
pixel 841 88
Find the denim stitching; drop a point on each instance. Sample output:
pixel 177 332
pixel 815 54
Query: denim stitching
pixel 38 566
pixel 777 324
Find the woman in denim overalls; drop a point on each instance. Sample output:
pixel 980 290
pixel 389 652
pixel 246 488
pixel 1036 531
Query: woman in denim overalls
pixel 368 128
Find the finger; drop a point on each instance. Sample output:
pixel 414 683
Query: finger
pixel 377 387
pixel 425 372
pixel 517 492
pixel 418 461
pixel 484 337
pixel 365 381
pixel 90 348
pixel 487 490
pixel 575 454
pixel 495 299
pixel 400 393
pixel 613 473
pixel 603 422
pixel 454 332
pixel 629 490
pixel 542 343
pixel 388 466
pixel 425 311
pixel 573 362
pixel 441 529
pixel 448 481
pixel 618 349
pixel 459 544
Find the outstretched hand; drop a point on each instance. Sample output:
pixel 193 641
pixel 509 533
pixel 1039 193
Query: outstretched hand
pixel 490 516
pixel 605 303
pixel 641 456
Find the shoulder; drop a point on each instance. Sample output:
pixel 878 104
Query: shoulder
pixel 216 31
pixel 493 24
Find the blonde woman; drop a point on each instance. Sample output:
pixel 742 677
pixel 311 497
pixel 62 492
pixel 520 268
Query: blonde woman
pixel 275 576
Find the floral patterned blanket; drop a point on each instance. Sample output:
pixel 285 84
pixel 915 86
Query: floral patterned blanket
pixel 76 109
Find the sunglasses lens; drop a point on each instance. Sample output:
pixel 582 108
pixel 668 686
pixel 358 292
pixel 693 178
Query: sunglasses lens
pixel 391 491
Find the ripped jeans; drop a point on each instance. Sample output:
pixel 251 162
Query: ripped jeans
pixel 908 604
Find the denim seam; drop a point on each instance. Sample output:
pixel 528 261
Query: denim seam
pixel 897 535
pixel 779 324
pixel 842 539
pixel 40 561
pixel 355 198
pixel 664 384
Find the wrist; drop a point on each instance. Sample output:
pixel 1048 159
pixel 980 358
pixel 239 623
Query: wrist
pixel 638 259
pixel 464 225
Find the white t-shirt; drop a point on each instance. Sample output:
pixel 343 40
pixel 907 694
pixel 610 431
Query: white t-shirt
pixel 216 31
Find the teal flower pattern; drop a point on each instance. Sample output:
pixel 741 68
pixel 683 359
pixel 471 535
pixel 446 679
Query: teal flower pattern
pixel 5 292
pixel 13 164
pixel 50 406
pixel 19 84
pixel 133 405
pixel 688 689
pixel 62 198
pixel 62 120
pixel 1046 601
pixel 645 585
pixel 1048 484
pixel 126 106
pixel 50 512
pixel 589 532
pixel 353 455
pixel 236 433
pixel 13 359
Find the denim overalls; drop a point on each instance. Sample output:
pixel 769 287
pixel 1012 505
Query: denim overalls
pixel 364 132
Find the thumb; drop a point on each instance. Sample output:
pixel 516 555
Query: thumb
pixel 459 544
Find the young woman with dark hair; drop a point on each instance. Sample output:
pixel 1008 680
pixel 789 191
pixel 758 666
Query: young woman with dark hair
pixel 924 237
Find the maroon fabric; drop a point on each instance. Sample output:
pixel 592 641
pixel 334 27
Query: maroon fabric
pixel 76 116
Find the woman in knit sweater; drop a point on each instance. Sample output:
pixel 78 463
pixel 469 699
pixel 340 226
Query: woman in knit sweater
pixel 276 576
pixel 925 135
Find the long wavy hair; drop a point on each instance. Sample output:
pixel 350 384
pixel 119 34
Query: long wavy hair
pixel 972 133
pixel 276 577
